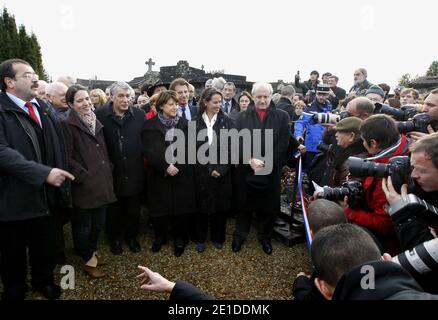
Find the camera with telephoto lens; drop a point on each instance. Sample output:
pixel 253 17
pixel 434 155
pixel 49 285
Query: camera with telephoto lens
pixel 420 260
pixel 403 114
pixel 332 118
pixel 399 168
pixel 419 123
pixel 352 189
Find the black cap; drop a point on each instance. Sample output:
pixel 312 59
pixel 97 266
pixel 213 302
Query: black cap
pixel 157 83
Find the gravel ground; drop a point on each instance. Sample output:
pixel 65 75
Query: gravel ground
pixel 246 275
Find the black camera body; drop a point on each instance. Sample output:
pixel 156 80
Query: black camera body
pixel 410 206
pixel 403 114
pixel 352 189
pixel 325 148
pixel 419 123
pixel 398 168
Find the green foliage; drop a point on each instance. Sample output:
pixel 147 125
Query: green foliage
pixel 16 43
pixel 405 80
pixel 433 69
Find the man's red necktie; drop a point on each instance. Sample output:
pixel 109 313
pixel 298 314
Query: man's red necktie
pixel 32 113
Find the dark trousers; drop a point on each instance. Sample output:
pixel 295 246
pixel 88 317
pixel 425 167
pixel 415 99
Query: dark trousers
pixel 86 227
pixel 123 218
pixel 217 227
pixel 264 224
pixel 37 235
pixel 178 225
pixel 61 216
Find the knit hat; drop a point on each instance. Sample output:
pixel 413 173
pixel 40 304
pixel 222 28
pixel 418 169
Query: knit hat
pixel 377 90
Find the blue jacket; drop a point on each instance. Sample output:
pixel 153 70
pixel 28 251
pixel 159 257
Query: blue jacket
pixel 307 124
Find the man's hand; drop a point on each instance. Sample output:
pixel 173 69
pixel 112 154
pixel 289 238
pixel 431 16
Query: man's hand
pixel 303 274
pixel 302 148
pixel 256 164
pixel 415 135
pixel 172 170
pixel 300 140
pixel 392 196
pixel 57 176
pixel 344 203
pixel 215 174
pixel 153 281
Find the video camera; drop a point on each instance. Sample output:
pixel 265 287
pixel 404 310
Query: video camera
pixel 352 189
pixel 403 114
pixel 419 122
pixel 398 168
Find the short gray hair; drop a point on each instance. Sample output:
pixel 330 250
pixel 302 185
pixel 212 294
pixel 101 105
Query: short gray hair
pixel 261 85
pixel 119 85
pixel 287 91
pixel 219 83
pixel 363 71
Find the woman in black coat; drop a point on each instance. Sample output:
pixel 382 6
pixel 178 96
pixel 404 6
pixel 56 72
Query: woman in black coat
pixel 92 188
pixel 213 179
pixel 171 186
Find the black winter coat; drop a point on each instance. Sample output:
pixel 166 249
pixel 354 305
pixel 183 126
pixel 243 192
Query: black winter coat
pixel 89 163
pixel 391 282
pixel 167 195
pixel 125 149
pixel 183 291
pixel 214 194
pixel 286 105
pixel 23 192
pixel 266 187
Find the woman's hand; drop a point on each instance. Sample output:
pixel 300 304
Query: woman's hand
pixel 153 281
pixel 172 170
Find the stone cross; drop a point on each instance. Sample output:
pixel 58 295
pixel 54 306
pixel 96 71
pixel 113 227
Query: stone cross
pixel 150 63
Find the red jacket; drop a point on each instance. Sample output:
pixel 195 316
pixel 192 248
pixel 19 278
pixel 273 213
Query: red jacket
pixel 376 219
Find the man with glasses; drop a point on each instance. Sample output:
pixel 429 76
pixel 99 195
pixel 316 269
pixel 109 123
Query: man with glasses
pixel 32 182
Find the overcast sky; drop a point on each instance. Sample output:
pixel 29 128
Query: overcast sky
pixel 264 40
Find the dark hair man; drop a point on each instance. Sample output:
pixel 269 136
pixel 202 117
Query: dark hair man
pixel 349 266
pixel 336 93
pixel 181 87
pixel 31 151
pixel 382 141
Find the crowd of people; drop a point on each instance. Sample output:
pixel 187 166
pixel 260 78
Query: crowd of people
pixel 94 158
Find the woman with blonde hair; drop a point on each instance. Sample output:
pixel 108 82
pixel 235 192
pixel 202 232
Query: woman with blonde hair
pixel 98 98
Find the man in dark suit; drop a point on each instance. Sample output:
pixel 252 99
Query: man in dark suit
pixel 228 102
pixel 181 87
pixel 122 126
pixel 31 151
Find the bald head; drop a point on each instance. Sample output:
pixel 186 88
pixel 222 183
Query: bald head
pixel 42 89
pixel 360 107
pixel 56 95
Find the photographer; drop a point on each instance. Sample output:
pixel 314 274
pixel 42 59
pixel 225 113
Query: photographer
pixel 424 163
pixel 382 141
pixel 430 108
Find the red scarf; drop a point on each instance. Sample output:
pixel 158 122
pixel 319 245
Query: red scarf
pixel 262 114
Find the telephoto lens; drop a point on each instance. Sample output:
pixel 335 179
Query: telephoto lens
pixel 418 123
pixel 402 114
pixel 420 260
pixel 327 118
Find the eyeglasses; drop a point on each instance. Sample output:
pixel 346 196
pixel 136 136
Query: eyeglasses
pixel 29 75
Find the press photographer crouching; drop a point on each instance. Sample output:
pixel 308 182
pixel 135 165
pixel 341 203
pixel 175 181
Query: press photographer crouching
pixel 383 142
pixel 415 215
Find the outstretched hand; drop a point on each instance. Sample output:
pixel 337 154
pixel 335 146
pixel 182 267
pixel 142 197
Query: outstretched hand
pixel 153 281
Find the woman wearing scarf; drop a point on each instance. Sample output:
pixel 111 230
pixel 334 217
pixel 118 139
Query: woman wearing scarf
pixel 171 186
pixel 92 189
pixel 213 179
